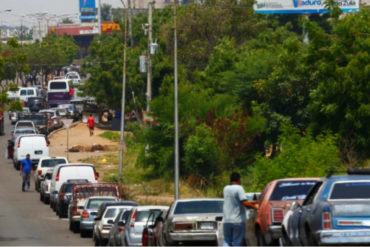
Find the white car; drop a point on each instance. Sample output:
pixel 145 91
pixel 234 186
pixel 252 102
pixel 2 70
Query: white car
pixel 34 145
pixel 44 165
pixel 74 77
pixel 22 124
pixel 45 186
pixel 25 92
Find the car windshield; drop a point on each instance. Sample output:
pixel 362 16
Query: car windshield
pixel 23 92
pixel 25 131
pixel 111 213
pixel 35 100
pixel 30 92
pixel 52 162
pixel 95 203
pixel 58 85
pixel 199 207
pixel 351 190
pixel 291 190
pixel 24 124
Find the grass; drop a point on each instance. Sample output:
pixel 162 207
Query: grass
pixel 111 135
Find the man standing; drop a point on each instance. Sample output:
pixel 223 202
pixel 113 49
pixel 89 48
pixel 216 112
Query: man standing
pixel 25 168
pixel 91 124
pixel 235 202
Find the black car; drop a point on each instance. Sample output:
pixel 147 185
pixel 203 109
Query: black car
pixel 35 104
pixel 65 194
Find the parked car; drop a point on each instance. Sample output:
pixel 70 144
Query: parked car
pixel 25 124
pixel 80 195
pixel 13 116
pixel 150 235
pixel 40 121
pixel 56 121
pixel 45 186
pixel 117 227
pixel 89 213
pixel 46 163
pixel 104 219
pixel 65 195
pixel 74 77
pixel 70 171
pixel 25 92
pixel 191 220
pixel 274 202
pixel 15 134
pixel 335 212
pixel 35 104
pixel 35 145
pixel 58 92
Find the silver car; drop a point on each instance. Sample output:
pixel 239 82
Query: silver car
pixel 45 186
pixel 133 231
pixel 89 213
pixel 193 220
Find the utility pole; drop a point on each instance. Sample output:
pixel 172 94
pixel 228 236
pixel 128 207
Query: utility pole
pixel 149 58
pixel 177 191
pixel 122 130
pixel 99 18
pixel 130 23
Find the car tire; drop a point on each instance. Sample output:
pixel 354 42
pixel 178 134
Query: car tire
pixel 84 233
pixel 311 241
pixel 18 166
pixel 260 238
pixel 284 239
pixel 41 197
pixel 97 242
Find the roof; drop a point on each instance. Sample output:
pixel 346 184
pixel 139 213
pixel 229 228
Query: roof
pixel 152 207
pixel 199 199
pixel 120 203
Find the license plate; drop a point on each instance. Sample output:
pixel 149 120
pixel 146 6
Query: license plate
pixel 207 226
pixel 38 152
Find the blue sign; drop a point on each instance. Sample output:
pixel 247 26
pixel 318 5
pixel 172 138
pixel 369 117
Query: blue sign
pixel 87 6
pixel 301 6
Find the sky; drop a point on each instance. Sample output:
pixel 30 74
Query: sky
pixel 19 8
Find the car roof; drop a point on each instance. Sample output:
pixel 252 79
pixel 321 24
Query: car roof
pixel 119 203
pixel 348 177
pixel 152 207
pixel 199 199
pixel 52 158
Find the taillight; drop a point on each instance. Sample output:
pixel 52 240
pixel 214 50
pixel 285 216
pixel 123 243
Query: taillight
pixel 74 208
pixel 277 215
pixel 61 196
pixel 120 229
pixel 19 144
pixel 96 176
pixel 39 172
pixel 54 118
pixel 85 214
pixel 326 221
pixel 133 218
pixel 57 177
pixel 42 104
pixel 47 143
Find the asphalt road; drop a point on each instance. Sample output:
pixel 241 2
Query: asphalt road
pixel 24 219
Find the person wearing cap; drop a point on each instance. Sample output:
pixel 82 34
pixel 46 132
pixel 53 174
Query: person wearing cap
pixel 26 169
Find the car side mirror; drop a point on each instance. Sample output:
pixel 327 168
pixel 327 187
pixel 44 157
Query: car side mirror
pixel 160 219
pixel 294 206
pixel 121 223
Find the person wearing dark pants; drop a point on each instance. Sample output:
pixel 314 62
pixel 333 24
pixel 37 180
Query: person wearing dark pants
pixel 26 169
pixel 234 219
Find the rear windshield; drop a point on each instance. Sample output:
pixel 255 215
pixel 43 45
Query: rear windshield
pixel 58 85
pixel 35 100
pixel 30 92
pixel 24 124
pixel 199 207
pixel 95 203
pixel 25 131
pixel 291 190
pixel 351 190
pixel 23 92
pixel 142 216
pixel 111 213
pixel 52 162
pixel 96 191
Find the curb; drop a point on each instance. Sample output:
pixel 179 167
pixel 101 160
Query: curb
pixel 63 128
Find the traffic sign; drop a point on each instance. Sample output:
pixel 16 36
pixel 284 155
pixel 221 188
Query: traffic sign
pixel 67 122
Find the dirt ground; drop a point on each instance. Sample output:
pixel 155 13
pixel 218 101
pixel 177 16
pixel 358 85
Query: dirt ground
pixel 78 136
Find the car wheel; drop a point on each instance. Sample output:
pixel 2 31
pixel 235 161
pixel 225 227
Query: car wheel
pixel 97 242
pixel 284 239
pixel 311 241
pixel 41 197
pixel 260 239
pixel 84 233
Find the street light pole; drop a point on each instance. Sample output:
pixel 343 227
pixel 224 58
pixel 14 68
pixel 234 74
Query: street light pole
pixel 99 17
pixel 149 61
pixel 177 191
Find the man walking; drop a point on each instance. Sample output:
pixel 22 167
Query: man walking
pixel 25 168
pixel 235 202
pixel 91 124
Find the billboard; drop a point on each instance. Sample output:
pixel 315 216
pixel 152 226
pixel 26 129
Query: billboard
pixel 301 6
pixel 87 6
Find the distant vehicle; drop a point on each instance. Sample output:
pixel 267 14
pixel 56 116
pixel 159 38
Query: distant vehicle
pixel 25 92
pixel 107 212
pixel 35 145
pixel 15 134
pixel 74 77
pixel 58 92
pixel 40 121
pixel 273 204
pixel 190 220
pixel 335 212
pixel 44 165
pixel 36 104
pixel 89 213
pixel 13 116
pixel 150 236
pixel 56 121
pixel 65 172
pixel 45 186
pixel 80 195
pixel 65 195
pixel 61 112
pixel 22 124
pixel 12 95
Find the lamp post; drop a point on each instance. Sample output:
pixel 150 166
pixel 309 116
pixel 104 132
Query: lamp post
pixel 176 120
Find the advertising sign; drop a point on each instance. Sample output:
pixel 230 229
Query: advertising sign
pixel 87 6
pixel 301 6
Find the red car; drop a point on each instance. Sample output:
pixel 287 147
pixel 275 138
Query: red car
pixel 274 202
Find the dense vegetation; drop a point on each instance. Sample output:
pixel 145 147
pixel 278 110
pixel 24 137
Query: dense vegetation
pixel 253 96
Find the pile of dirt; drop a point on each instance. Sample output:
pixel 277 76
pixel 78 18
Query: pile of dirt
pixel 93 148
